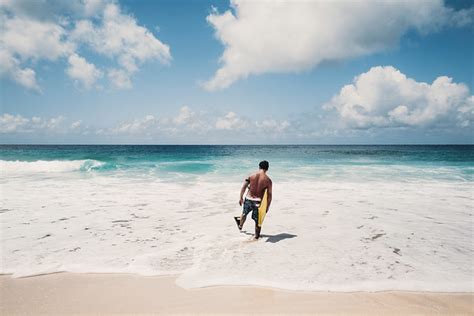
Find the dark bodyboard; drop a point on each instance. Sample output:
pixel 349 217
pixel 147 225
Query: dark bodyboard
pixel 237 221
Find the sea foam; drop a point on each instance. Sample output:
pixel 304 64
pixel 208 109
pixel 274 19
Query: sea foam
pixel 43 166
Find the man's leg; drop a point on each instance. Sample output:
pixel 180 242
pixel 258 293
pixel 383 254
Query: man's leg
pixel 243 217
pixel 246 209
pixel 257 231
pixel 255 218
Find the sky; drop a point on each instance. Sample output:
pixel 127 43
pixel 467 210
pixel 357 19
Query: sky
pixel 238 72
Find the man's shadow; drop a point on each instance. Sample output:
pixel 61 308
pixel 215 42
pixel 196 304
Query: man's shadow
pixel 273 238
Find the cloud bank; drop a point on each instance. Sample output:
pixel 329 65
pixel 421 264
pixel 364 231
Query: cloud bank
pixel 273 36
pixel 186 125
pixel 19 124
pixel 380 104
pixel 50 30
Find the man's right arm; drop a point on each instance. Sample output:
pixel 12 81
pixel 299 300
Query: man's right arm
pixel 242 190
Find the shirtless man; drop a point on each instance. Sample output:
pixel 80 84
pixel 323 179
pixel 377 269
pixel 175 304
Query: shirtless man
pixel 256 183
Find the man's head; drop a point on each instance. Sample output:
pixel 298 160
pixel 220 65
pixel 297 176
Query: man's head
pixel 263 165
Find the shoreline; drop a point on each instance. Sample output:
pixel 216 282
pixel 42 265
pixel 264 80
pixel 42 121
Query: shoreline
pixel 262 287
pixel 67 293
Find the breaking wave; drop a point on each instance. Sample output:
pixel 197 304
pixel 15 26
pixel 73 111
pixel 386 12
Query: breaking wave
pixel 49 166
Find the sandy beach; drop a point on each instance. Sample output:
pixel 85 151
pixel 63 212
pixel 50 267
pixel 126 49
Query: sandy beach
pixel 68 293
pixel 105 235
pixel 236 157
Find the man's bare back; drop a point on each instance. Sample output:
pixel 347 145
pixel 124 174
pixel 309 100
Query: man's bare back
pixel 258 182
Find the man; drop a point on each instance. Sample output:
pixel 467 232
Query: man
pixel 257 183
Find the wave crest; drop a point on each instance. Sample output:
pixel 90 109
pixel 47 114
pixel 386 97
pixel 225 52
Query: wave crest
pixel 48 166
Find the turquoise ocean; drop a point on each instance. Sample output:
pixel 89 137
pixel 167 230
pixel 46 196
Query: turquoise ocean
pixel 295 161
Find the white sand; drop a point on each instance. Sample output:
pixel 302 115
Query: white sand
pixel 337 236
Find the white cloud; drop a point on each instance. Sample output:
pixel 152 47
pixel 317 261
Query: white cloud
pixel 379 104
pixel 30 39
pixel 48 30
pixel 11 123
pixel 19 124
pixel 231 121
pixel 119 36
pixel 292 36
pixel 24 40
pixel 191 123
pixel 188 120
pixel 84 73
pixel 11 69
pixel 466 113
pixel 385 97
pixel 185 122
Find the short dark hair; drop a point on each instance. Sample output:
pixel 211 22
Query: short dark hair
pixel 263 165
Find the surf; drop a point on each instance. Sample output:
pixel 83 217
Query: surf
pixel 49 166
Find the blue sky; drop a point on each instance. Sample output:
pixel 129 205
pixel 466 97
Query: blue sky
pixel 145 72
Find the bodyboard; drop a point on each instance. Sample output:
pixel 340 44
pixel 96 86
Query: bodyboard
pixel 237 221
pixel 262 209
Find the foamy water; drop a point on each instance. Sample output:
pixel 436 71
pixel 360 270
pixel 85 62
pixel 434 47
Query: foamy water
pixel 323 233
pixel 32 168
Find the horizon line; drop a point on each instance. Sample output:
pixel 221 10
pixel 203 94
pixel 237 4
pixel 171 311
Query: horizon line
pixel 273 144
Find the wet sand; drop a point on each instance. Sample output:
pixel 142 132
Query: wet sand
pixel 68 293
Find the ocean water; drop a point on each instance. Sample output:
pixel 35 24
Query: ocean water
pixel 343 218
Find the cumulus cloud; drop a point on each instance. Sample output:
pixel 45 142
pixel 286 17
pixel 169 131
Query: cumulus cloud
pixel 19 124
pixel 292 36
pixel 35 31
pixel 187 119
pixel 119 36
pixel 82 72
pixel 12 69
pixel 11 123
pixel 30 39
pixel 385 97
pixel 379 104
pixel 24 40
pixel 466 113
